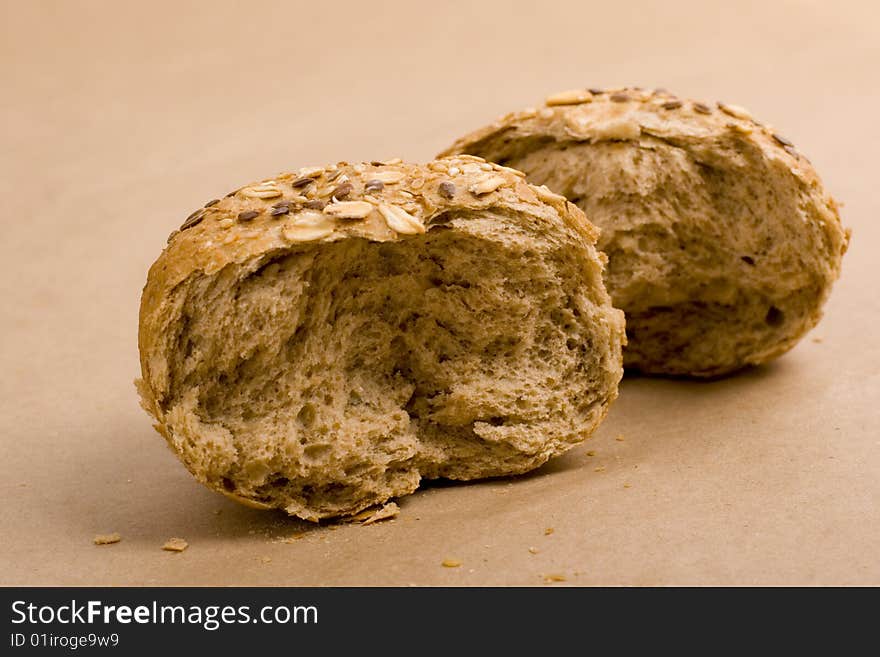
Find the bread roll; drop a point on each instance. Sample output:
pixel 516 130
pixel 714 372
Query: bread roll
pixel 322 341
pixel 722 242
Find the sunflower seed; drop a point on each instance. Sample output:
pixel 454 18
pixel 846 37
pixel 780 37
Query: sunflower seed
pixel 671 105
pixel 210 203
pixel 702 109
pixel 193 219
pixel 302 182
pixel 248 215
pixel 619 98
pixel 400 221
pixel 314 205
pixel 374 186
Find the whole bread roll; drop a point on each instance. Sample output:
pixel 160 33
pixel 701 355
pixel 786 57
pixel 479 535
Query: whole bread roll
pixel 321 341
pixel 722 243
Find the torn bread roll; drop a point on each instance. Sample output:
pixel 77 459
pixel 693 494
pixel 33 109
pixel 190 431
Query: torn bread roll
pixel 722 242
pixel 322 341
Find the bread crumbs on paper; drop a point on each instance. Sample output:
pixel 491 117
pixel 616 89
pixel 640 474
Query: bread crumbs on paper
pixel 620 438
pixel 601 468
pixel 292 538
pixel 554 577
pixel 548 531
pixel 591 453
pixel 533 550
pixel 175 545
pixel 107 539
pixel 450 563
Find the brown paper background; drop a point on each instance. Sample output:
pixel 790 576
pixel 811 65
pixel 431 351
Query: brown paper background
pixel 118 119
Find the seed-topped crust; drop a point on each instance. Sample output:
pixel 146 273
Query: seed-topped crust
pixel 302 206
pixel 630 114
